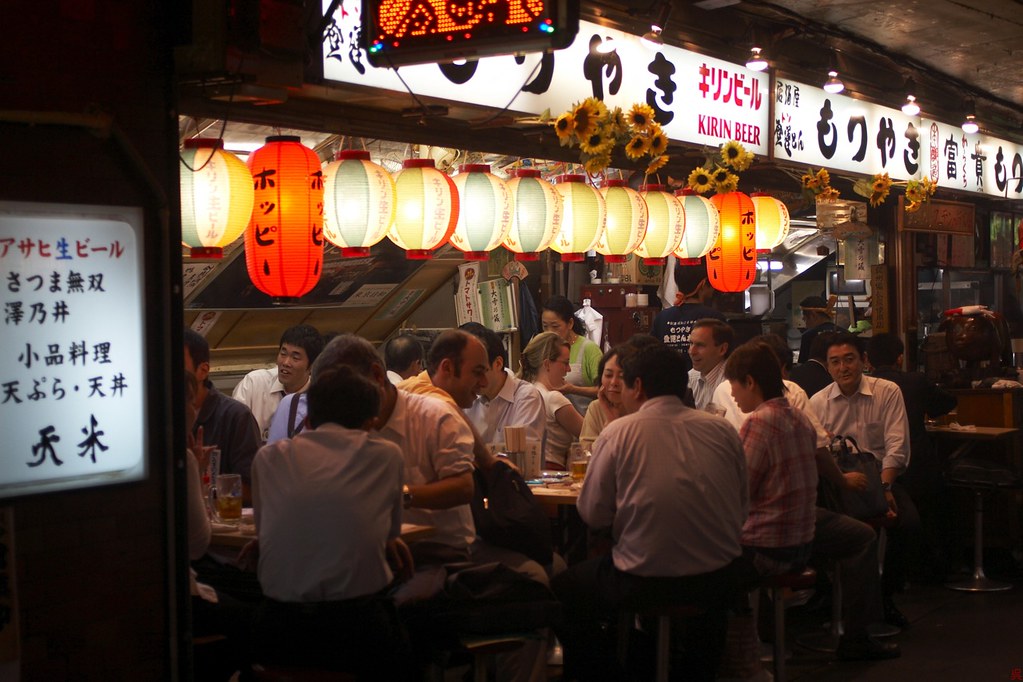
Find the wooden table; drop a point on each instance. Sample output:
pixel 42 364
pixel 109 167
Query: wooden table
pixel 243 534
pixel 559 495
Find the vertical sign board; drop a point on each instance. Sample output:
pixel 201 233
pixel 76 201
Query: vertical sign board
pixel 972 163
pixel 72 381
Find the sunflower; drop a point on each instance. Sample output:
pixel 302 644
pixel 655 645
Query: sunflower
pixel 564 127
pixel 929 185
pixel 586 123
pixel 617 123
pixel 597 163
pixel 913 206
pixel 829 194
pixel 915 192
pixel 729 184
pixel 877 197
pixel 824 178
pixel 720 175
pixel 640 117
pixel 700 181
pixel 810 182
pixel 882 183
pixel 597 143
pixel 657 164
pixel 637 147
pixel 658 141
pixel 733 154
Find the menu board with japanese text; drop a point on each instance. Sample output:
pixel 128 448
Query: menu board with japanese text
pixel 72 380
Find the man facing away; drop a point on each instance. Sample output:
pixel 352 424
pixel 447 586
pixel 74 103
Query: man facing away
pixel 673 325
pixel 709 346
pixel 812 375
pixel 403 357
pixel 817 318
pixel 261 390
pixel 223 422
pixel 671 484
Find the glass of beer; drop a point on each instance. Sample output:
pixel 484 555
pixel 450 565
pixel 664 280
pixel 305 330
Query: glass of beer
pixel 578 460
pixel 227 495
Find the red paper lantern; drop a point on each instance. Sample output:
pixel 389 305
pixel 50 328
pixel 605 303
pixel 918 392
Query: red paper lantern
pixel 427 209
pixel 284 240
pixel 732 263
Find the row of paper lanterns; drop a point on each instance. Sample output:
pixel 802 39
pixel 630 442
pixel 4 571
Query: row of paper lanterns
pixel 286 204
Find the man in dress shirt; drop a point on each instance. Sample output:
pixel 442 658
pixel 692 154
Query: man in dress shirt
pixel 506 400
pixel 224 422
pixel 403 357
pixel 261 390
pixel 872 411
pixel 709 346
pixel 671 483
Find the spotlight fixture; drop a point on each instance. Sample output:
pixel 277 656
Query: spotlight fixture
pixel 970 124
pixel 652 38
pixel 833 85
pixel 910 108
pixel 756 61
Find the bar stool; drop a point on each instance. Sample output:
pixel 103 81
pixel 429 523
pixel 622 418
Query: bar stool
pixel 880 524
pixel 803 580
pixel 663 614
pixel 980 476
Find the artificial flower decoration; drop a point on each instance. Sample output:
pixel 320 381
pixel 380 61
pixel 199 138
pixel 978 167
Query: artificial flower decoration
pixel 818 186
pixel 597 130
pixel 918 192
pixel 712 175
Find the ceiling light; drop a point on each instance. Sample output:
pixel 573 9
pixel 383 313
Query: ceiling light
pixel 652 38
pixel 756 61
pixel 970 124
pixel 833 85
pixel 910 108
pixel 607 46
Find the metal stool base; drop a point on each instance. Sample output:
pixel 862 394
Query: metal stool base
pixel 883 630
pixel 826 642
pixel 979 583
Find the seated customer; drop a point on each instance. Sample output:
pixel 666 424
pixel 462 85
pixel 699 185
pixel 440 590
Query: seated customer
pixel 608 405
pixel 328 508
pixel 670 481
pixel 545 364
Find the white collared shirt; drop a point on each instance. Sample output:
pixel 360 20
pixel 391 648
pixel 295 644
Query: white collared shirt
pixel 517 404
pixel 704 385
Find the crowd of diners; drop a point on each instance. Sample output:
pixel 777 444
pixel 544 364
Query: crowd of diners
pixel 706 461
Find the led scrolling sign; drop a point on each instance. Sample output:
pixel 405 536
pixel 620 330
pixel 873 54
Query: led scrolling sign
pixel 400 32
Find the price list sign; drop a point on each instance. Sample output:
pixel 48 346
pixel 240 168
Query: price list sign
pixel 72 383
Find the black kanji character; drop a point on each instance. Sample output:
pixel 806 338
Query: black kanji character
pixel 92 441
pixel 44 447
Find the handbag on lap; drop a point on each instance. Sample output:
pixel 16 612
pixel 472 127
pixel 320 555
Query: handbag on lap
pixel 507 515
pixel 849 457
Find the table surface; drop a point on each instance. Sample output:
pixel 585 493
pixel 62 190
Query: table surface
pixel 243 534
pixel 559 494
pixel 977 432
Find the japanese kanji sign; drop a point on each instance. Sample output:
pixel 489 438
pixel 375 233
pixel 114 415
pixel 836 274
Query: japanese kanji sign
pixel 971 163
pixel 72 385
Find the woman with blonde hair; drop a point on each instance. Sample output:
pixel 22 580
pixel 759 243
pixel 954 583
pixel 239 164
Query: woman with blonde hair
pixel 545 364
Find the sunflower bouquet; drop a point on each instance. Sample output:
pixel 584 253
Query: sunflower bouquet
pixel 718 175
pixel 918 192
pixel 818 186
pixel 597 130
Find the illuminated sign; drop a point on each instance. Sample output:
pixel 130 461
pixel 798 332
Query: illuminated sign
pixel 398 32
pixel 972 163
pixel 72 380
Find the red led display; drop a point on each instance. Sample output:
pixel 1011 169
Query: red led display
pixel 398 32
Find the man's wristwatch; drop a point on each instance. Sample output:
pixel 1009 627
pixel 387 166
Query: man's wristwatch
pixel 886 487
pixel 406 496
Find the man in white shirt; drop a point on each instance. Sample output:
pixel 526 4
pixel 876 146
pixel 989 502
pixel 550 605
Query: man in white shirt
pixel 403 357
pixel 506 400
pixel 671 483
pixel 261 390
pixel 710 342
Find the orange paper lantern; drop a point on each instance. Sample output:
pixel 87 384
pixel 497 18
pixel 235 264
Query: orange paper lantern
pixel 627 218
pixel 536 214
pixel 667 224
pixel 583 219
pixel 427 209
pixel 216 197
pixel 772 221
pixel 732 263
pixel 284 241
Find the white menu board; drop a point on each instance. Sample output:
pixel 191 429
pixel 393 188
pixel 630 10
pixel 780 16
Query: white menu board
pixel 72 381
pixel 695 98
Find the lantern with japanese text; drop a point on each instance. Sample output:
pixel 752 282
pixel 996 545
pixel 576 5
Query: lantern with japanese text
pixel 359 199
pixel 583 219
pixel 732 263
pixel 216 197
pixel 427 209
pixel 484 211
pixel 284 241
pixel 666 227
pixel 702 227
pixel 772 221
pixel 627 217
pixel 536 214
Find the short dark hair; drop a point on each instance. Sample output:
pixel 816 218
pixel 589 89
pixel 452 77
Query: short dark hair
pixel 779 346
pixel 491 341
pixel 661 369
pixel 197 346
pixel 689 277
pixel 401 351
pixel 563 308
pixel 720 330
pixel 306 337
pixel 448 346
pixel 758 360
pixel 349 350
pixel 341 395
pixel 884 349
pixel 819 345
pixel 841 338
pixel 813 302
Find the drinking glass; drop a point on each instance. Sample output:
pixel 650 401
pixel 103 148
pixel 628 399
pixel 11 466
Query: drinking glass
pixel 227 496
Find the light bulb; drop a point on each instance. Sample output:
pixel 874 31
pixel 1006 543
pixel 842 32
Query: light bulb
pixel 910 108
pixel 970 124
pixel 833 85
pixel 756 61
